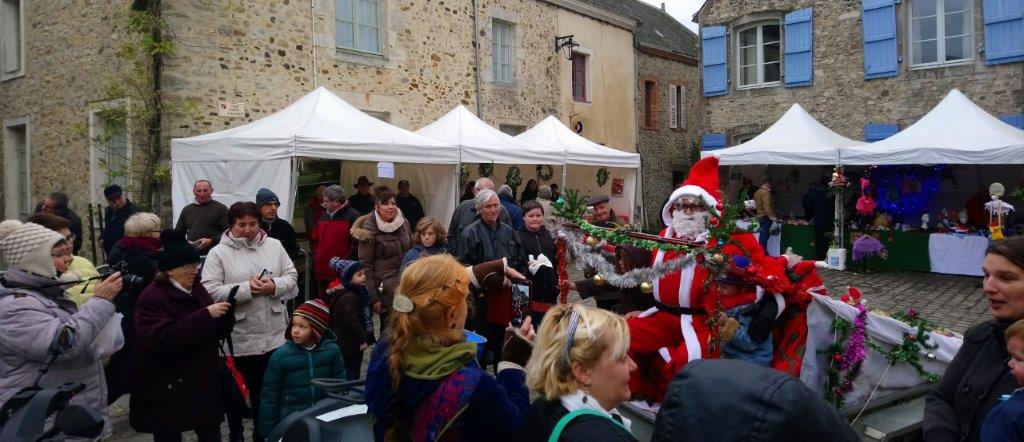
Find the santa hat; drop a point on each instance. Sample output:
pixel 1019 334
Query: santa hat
pixel 702 183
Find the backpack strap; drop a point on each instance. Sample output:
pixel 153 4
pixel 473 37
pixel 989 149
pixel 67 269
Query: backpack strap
pixel 564 422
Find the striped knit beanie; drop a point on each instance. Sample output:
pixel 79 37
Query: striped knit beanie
pixel 27 247
pixel 346 269
pixel 318 315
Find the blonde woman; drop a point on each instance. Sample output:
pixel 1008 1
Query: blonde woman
pixel 580 368
pixel 423 382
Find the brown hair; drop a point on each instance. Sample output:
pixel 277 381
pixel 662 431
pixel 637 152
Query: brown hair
pixel 50 221
pixel 430 223
pixel 1011 248
pixel 383 194
pixel 532 204
pixel 242 209
pixel 1015 330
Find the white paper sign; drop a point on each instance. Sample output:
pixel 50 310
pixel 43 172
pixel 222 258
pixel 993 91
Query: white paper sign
pixel 385 170
pixel 229 109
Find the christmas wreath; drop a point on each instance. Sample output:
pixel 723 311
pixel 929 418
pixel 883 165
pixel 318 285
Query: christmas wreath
pixel 485 169
pixel 602 176
pixel 545 172
pixel 463 175
pixel 513 178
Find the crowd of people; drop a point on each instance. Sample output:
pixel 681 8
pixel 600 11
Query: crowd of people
pixel 202 310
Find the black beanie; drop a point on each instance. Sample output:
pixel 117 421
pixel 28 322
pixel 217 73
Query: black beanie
pixel 176 252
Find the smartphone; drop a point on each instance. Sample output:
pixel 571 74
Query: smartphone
pixel 265 272
pixel 520 303
pixel 232 295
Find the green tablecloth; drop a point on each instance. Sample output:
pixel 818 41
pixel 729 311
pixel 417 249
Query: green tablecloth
pixel 907 250
pixel 800 238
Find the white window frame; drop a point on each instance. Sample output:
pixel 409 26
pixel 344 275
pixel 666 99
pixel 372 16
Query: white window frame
pixel 4 73
pixel 760 55
pixel 356 4
pixel 496 48
pixel 940 35
pixel 98 175
pixel 676 106
pixel 588 66
pixel 11 197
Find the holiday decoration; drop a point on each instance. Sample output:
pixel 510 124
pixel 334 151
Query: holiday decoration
pixel 463 175
pixel 646 287
pixel 865 204
pixel 513 178
pixel 996 209
pixel 485 169
pixel 592 241
pixel 545 172
pixel 598 279
pixel 909 352
pixel 602 176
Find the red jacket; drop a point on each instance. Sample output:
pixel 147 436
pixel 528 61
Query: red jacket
pixel 330 238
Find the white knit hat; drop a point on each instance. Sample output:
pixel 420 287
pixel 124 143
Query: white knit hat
pixel 28 247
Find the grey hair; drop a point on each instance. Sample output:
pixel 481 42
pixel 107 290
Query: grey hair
pixel 505 190
pixel 544 192
pixel 482 197
pixel 483 183
pixel 334 192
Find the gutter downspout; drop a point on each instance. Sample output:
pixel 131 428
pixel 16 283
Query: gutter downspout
pixel 156 121
pixel 476 61
pixel 640 176
pixel 312 32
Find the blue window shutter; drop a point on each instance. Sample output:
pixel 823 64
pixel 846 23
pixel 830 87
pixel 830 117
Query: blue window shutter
pixel 713 57
pixel 878 18
pixel 1014 120
pixel 1004 31
pixel 799 59
pixel 713 141
pixel 877 132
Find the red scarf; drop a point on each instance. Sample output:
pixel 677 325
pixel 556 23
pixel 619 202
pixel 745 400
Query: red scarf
pixel 146 243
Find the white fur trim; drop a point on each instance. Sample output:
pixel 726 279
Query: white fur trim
pixel 781 302
pixel 663 351
pixel 690 338
pixel 688 190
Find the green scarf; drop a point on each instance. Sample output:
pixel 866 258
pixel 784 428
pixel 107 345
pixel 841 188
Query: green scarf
pixel 428 361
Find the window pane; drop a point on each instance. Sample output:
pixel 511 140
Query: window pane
pixel 957 5
pixel 958 24
pixel 924 29
pixel 923 8
pixel 770 33
pixel 956 48
pixel 748 37
pixel 771 72
pixel 343 10
pixel 344 35
pixel 20 140
pixel 368 39
pixel 748 56
pixel 11 38
pixel 771 52
pixel 748 75
pixel 926 52
pixel 368 12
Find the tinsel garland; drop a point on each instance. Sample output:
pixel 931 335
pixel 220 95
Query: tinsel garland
pixel 909 351
pixel 563 274
pixel 586 257
pixel 846 360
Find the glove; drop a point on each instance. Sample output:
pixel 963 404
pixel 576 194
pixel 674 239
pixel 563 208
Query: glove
pixel 729 329
pixel 516 349
pixel 762 319
pixel 489 275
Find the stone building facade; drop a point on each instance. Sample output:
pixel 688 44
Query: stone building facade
pixel 838 94
pixel 405 61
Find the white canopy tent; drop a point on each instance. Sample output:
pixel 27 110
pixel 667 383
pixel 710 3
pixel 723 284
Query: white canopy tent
pixel 479 142
pixel 956 131
pixel 795 139
pixel 240 160
pixel 579 151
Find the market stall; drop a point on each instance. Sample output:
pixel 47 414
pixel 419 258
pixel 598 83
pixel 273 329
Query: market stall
pixel 591 167
pixel 263 153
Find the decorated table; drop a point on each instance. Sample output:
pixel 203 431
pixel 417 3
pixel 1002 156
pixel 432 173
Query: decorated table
pixel 957 254
pixel 907 250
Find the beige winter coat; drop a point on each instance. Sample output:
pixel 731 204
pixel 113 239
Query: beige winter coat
pixel 381 253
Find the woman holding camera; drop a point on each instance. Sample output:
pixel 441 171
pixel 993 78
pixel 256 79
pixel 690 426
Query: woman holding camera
pixel 33 307
pixel 176 365
pixel 260 267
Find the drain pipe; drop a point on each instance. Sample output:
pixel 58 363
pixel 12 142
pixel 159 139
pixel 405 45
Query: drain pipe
pixel 476 61
pixel 312 29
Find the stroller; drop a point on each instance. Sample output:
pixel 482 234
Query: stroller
pixel 342 416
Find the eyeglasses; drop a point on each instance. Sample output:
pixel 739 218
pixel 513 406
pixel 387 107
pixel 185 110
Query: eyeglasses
pixel 689 207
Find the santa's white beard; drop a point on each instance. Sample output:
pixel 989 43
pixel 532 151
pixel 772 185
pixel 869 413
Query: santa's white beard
pixel 688 226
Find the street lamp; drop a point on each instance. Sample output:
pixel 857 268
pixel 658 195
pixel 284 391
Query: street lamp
pixel 568 43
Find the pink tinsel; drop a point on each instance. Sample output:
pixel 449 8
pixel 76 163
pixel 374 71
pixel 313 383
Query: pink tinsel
pixel 855 351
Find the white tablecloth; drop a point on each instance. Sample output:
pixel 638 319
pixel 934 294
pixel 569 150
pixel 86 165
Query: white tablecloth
pixel 774 241
pixel 957 254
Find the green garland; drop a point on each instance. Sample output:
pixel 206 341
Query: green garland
pixel 842 329
pixel 513 178
pixel 909 352
pixel 602 176
pixel 485 169
pixel 545 172
pixel 463 175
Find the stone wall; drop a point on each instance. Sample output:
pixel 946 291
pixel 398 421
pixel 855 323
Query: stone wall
pixel 65 74
pixel 840 97
pixel 665 150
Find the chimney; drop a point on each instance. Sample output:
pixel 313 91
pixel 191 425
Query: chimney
pixel 662 6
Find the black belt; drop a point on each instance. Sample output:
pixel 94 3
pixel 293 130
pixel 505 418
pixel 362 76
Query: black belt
pixel 676 310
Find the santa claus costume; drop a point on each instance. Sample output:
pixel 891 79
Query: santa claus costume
pixel 675 331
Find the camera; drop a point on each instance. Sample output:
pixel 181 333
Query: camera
pixel 127 279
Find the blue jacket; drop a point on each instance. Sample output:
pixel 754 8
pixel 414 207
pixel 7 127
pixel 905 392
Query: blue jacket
pixel 497 406
pixel 286 387
pixel 418 250
pixel 741 346
pixel 514 212
pixel 1006 420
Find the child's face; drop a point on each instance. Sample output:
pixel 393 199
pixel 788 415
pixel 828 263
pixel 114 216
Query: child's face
pixel 625 262
pixel 1015 347
pixel 428 237
pixel 359 278
pixel 729 289
pixel 302 332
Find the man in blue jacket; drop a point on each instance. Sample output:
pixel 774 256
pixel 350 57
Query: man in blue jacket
pixel 509 203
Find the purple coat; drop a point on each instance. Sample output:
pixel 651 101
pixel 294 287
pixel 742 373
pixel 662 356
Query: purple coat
pixel 177 383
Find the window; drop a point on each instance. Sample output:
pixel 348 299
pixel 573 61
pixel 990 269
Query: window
pixel 512 129
pixel 676 106
pixel 758 54
pixel 650 105
pixel 17 193
pixel 579 76
pixel 357 25
pixel 501 51
pixel 11 44
pixel 110 149
pixel 940 31
pixel 742 138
